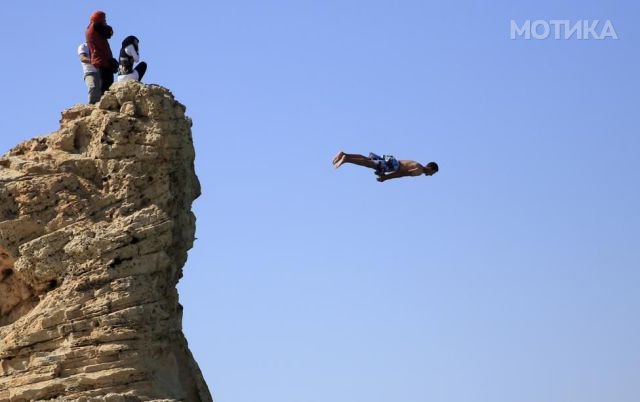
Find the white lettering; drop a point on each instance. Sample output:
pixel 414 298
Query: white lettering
pixel 580 30
pixel 577 28
pixel 590 29
pixel 534 29
pixel 525 30
pixel 556 27
pixel 608 31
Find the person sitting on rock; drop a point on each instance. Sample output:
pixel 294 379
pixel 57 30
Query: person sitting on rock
pixel 91 74
pixel 386 167
pixel 129 55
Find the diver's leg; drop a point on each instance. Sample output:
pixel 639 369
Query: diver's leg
pixel 356 159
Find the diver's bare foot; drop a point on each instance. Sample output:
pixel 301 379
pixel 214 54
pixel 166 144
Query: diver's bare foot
pixel 341 161
pixel 339 156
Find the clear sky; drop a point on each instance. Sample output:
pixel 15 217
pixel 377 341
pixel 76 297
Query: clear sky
pixel 512 275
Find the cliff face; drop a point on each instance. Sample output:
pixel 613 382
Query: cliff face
pixel 95 224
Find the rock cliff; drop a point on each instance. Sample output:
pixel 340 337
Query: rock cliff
pixel 95 224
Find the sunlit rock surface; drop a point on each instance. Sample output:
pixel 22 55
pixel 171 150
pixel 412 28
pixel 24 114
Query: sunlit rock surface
pixel 95 224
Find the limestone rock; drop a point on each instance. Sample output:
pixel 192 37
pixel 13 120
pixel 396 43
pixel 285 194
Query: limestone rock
pixel 95 224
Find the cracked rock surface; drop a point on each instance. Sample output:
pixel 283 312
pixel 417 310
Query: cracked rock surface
pixel 95 224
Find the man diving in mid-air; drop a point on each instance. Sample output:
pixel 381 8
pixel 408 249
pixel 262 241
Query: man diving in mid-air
pixel 386 167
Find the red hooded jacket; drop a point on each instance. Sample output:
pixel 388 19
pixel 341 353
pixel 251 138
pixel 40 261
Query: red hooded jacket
pixel 97 34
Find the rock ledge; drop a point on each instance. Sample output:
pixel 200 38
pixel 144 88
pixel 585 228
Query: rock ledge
pixel 95 224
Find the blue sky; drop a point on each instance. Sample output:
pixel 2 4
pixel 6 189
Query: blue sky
pixel 512 275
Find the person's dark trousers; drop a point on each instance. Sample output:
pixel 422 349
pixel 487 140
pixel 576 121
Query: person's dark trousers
pixel 141 68
pixel 106 76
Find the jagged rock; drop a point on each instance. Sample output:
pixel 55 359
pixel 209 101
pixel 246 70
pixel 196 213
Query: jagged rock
pixel 95 224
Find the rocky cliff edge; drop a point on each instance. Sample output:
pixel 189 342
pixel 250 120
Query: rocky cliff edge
pixel 95 224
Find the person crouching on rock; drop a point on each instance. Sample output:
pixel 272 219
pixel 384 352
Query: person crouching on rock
pixel 129 55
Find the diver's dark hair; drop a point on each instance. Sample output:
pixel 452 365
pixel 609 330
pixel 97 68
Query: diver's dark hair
pixel 433 166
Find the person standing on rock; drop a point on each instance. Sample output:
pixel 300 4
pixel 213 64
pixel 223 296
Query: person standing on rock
pixel 386 167
pixel 98 34
pixel 129 55
pixel 91 74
